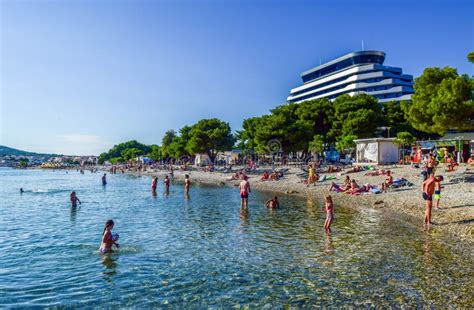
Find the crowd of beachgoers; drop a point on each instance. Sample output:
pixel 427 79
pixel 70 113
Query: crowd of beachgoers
pixel 439 195
pixel 418 189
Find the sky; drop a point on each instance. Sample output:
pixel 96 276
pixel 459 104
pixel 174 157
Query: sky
pixel 78 76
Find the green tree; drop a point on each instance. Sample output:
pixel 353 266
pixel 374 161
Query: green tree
pixel 470 56
pixel 210 136
pixel 317 144
pixel 404 138
pixel 316 117
pixel 116 160
pixel 118 149
pixel 166 142
pixel 346 143
pixel 358 116
pixel 441 101
pixel 131 154
pixel 155 152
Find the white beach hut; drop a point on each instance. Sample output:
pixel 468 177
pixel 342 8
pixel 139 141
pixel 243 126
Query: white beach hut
pixel 376 151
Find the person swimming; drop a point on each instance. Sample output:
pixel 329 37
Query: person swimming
pixel 108 239
pixel 272 203
pixel 74 199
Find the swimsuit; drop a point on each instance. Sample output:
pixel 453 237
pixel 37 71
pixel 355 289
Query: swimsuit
pixel 329 215
pixel 244 195
pixel 437 194
pixel 427 197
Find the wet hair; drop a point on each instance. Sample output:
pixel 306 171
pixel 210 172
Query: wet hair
pixel 107 224
pixel 276 198
pixel 186 175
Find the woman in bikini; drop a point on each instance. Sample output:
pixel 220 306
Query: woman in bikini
pixel 108 239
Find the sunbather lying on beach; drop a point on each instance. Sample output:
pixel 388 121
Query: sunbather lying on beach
pixel 354 169
pixel 332 169
pixel 377 172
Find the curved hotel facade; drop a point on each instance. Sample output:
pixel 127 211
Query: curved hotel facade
pixel 354 73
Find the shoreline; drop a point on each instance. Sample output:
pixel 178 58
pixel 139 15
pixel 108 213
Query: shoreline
pixel 455 218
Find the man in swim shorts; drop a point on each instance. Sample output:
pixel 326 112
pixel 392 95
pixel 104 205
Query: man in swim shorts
pixel 428 188
pixel 244 192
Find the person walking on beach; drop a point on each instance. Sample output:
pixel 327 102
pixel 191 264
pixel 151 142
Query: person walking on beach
pixel 430 164
pixel 437 190
pixel 329 208
pixel 244 192
pixel 428 187
pixel 108 239
pixel 154 184
pixel 74 200
pixel 187 184
pixel 104 179
pixel 167 184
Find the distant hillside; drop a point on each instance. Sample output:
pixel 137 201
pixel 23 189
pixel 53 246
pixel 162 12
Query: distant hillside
pixel 5 150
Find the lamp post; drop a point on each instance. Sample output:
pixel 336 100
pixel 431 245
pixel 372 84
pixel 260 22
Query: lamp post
pixel 459 148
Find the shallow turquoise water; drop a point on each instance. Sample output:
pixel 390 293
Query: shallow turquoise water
pixel 203 251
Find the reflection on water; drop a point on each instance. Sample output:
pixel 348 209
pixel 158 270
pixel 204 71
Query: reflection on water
pixel 110 264
pixel 73 214
pixel 209 252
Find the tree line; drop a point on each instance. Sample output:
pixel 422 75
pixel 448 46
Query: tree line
pixel 443 100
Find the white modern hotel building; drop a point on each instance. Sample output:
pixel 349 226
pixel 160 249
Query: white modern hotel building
pixel 354 73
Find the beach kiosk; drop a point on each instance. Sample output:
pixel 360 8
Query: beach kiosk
pixel 376 151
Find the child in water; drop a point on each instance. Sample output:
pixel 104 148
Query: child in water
pixel 329 213
pixel 108 239
pixel 74 199
pixel 187 183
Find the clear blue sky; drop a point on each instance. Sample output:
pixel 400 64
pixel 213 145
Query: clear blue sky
pixel 79 76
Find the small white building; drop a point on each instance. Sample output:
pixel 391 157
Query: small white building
pixel 376 151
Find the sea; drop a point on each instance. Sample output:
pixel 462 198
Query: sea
pixel 204 251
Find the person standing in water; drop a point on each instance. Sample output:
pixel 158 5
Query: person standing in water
pixel 329 208
pixel 167 184
pixel 74 199
pixel 104 179
pixel 154 184
pixel 21 190
pixel 244 192
pixel 428 188
pixel 108 239
pixel 187 184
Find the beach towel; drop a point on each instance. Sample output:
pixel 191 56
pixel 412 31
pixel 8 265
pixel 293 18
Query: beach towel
pixel 376 190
